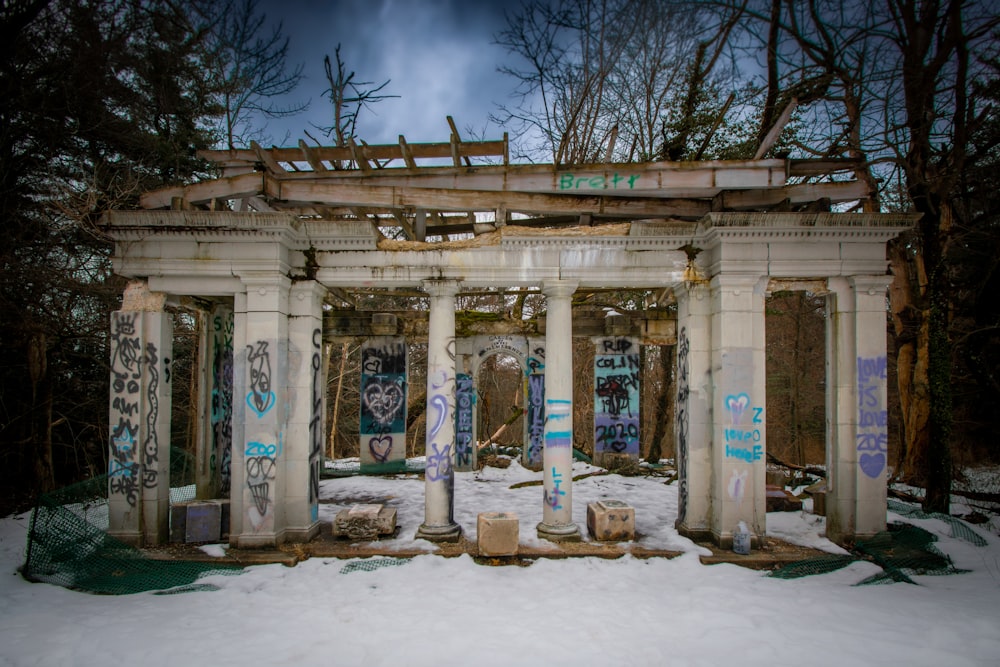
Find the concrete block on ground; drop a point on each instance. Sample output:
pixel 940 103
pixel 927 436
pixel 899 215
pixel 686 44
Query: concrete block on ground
pixel 204 521
pixel 497 533
pixel 365 522
pixel 780 499
pixel 611 521
pixel 224 504
pixel 819 501
pixel 178 521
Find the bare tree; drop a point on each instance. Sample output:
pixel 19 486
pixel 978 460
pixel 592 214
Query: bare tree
pixel 348 97
pixel 250 65
pixel 898 75
pixel 598 78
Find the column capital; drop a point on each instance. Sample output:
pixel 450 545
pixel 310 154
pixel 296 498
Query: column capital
pixel 441 287
pixel 738 282
pixel 139 298
pixel 306 297
pixel 559 288
pixel 873 285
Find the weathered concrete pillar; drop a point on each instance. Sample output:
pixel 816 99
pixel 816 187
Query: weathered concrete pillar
pixel 857 436
pixel 139 411
pixel 304 436
pixel 693 423
pixel 205 477
pixel 237 478
pixel 557 454
pixel 262 391
pixel 222 326
pixel 439 478
pixel 616 401
pixel 739 385
pixel 213 458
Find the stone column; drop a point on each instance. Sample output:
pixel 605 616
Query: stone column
pixel 304 436
pixel 857 451
pixel 222 326
pixel 557 453
pixel 139 411
pixel 206 476
pixel 237 513
pixel 264 395
pixel 693 411
pixel 439 478
pixel 739 384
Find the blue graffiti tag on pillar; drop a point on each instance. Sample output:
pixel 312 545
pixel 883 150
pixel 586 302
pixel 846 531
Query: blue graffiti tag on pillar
pixel 536 418
pixel 616 397
pixel 464 399
pixel 260 398
pixel 743 441
pixel 554 499
pixel 383 400
pixel 872 436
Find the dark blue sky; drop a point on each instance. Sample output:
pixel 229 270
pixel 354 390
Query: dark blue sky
pixel 438 54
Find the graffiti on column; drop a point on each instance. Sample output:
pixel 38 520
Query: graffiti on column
pixel 222 399
pixel 316 424
pixel 260 397
pixel 616 397
pixel 260 461
pixel 126 374
pixel 151 443
pixel 383 400
pixel 873 437
pixel 742 435
pixel 683 392
pixel 464 399
pixel 554 498
pixel 536 419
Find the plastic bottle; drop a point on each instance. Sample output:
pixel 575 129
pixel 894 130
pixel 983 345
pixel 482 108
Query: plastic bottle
pixel 741 539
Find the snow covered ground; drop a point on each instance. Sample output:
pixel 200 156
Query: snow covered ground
pixel 439 611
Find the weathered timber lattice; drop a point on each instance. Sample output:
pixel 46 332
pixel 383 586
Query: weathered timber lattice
pixel 296 244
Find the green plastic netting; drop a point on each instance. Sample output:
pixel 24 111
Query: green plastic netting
pixel 68 544
pixel 902 551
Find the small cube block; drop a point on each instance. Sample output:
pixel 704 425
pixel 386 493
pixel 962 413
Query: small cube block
pixel 497 533
pixel 178 521
pixel 365 522
pixel 611 521
pixel 204 522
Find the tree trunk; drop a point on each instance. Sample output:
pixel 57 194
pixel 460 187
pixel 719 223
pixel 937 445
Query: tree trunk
pixel 910 324
pixel 664 408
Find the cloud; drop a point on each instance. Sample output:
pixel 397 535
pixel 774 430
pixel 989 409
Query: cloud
pixel 439 56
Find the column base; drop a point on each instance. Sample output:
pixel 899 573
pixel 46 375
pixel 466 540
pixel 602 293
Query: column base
pixel 447 533
pixel 566 532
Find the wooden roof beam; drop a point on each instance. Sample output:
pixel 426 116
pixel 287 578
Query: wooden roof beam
pixel 267 159
pixel 311 157
pixel 358 155
pixel 404 223
pixel 456 142
pixel 404 148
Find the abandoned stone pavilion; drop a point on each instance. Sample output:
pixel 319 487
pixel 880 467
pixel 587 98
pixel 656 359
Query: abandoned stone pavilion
pixel 281 252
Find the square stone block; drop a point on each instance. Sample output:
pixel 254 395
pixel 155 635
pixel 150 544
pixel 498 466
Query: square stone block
pixel 178 521
pixel 224 505
pixel 365 522
pixel 497 533
pixel 611 521
pixel 204 522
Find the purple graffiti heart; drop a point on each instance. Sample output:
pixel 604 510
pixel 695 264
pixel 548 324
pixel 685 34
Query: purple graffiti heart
pixel 736 405
pixel 380 447
pixel 872 464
